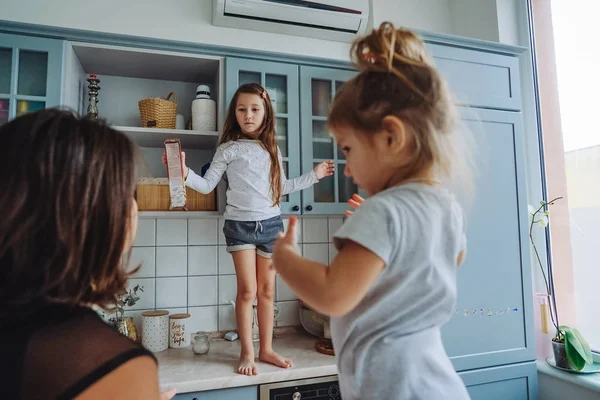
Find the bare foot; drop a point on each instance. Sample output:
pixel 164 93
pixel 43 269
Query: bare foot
pixel 274 358
pixel 247 366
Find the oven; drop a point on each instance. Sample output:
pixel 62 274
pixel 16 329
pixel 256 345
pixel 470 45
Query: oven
pixel 324 388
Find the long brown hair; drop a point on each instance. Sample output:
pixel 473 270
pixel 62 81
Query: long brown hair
pixel 66 204
pixel 398 78
pixel 233 131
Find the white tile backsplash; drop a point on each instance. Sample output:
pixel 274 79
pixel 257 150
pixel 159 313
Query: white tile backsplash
pixel 146 257
pixel 315 230
pixel 220 234
pixel 286 224
pixel 202 291
pixel 283 291
pixel 288 313
pixel 332 252
pixel 202 231
pixel 171 261
pixel 335 224
pixel 146 301
pixel 318 252
pixel 227 318
pixel 171 232
pixel 227 288
pixel 226 266
pixel 185 268
pixel 146 233
pixel 171 292
pixel 202 260
pixel 203 319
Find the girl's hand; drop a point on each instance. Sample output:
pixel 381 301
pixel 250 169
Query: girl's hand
pixel 355 202
pixel 324 169
pixel 186 170
pixel 285 244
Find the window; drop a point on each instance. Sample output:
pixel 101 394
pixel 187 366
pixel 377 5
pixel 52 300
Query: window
pixel 578 74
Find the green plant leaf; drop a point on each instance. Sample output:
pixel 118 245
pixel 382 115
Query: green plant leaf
pixel 574 351
pixel 586 353
pixel 564 328
pixel 573 356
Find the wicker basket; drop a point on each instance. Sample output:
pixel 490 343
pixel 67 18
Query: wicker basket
pixel 156 197
pixel 158 113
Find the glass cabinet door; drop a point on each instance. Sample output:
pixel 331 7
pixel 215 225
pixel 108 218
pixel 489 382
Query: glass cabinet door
pixel 317 88
pixel 30 74
pixel 281 82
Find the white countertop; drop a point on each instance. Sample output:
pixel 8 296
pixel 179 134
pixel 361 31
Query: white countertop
pixel 187 372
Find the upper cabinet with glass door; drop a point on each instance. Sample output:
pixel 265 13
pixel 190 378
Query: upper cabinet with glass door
pixel 30 74
pixel 281 82
pixel 317 88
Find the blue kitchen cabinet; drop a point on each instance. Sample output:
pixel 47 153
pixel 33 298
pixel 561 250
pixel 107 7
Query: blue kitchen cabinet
pixel 301 108
pixel 480 78
pixel 30 74
pixel 317 89
pixel 493 320
pixel 507 382
pixel 281 82
pixel 238 393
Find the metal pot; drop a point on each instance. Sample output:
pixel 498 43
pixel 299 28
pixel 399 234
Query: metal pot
pixel 313 322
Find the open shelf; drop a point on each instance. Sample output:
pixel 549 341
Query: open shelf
pixel 155 137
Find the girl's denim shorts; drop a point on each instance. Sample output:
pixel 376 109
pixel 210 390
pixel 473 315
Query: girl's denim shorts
pixel 250 235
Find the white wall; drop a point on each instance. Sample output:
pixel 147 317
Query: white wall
pixel 475 18
pixel 191 21
pixel 512 17
pixel 429 15
pixel 182 20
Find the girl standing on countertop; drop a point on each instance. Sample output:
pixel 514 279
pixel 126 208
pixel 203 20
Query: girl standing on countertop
pixel 248 152
pixel 393 283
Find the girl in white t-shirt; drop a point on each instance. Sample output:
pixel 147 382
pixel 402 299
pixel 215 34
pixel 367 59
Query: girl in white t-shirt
pixel 393 283
pixel 256 181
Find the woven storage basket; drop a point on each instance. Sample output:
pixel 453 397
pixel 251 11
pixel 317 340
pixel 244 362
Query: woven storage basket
pixel 158 113
pixel 153 196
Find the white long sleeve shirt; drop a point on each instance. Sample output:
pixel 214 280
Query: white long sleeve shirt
pixel 248 167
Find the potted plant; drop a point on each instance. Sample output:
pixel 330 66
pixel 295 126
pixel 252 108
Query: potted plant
pixel 571 350
pixel 123 324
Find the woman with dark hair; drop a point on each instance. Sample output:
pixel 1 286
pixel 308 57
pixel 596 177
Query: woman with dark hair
pixel 68 216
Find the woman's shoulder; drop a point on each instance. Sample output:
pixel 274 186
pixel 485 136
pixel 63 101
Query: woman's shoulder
pixel 94 351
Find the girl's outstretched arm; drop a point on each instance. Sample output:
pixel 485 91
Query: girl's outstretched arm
pixel 213 176
pixel 333 290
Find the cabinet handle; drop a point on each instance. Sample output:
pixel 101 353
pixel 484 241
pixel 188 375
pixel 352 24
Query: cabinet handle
pixel 308 208
pixel 295 208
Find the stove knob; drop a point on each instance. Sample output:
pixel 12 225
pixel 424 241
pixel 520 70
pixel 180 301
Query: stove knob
pixel 296 396
pixel 334 390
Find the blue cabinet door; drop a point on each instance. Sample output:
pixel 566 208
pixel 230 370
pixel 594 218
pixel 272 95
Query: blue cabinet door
pixel 317 88
pixel 480 78
pixel 493 320
pixel 281 82
pixel 508 382
pixel 30 74
pixel 245 393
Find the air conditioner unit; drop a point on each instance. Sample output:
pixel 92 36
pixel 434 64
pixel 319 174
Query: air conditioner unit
pixel 338 20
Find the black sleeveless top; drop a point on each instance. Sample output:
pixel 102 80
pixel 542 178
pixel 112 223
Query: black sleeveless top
pixel 58 352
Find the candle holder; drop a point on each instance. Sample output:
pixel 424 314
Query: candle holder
pixel 93 87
